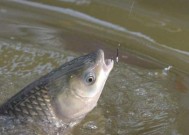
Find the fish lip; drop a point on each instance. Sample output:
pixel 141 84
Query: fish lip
pixel 107 63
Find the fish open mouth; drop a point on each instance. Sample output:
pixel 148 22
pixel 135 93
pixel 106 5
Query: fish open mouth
pixel 107 63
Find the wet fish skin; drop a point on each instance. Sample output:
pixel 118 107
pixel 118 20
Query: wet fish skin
pixel 66 94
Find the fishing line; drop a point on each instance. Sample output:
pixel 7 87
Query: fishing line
pixel 117 55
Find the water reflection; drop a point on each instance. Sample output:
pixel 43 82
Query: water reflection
pixel 143 42
pixel 18 60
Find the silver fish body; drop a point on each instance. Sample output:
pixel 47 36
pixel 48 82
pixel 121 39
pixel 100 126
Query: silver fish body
pixel 66 94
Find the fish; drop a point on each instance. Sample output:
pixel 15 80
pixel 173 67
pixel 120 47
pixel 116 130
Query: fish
pixel 65 95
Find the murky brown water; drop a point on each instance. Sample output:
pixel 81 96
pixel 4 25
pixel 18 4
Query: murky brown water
pixel 141 95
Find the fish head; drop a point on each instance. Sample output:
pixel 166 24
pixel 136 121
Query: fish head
pixel 89 80
pixel 86 77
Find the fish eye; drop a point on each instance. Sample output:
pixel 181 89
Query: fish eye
pixel 90 78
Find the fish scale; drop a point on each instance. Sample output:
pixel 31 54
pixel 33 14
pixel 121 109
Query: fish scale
pixel 34 103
